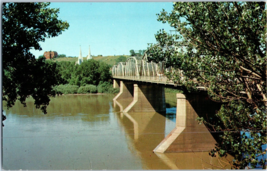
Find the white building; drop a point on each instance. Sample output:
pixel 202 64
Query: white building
pixel 80 58
pixel 89 54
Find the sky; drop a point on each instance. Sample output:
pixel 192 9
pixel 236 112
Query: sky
pixel 109 28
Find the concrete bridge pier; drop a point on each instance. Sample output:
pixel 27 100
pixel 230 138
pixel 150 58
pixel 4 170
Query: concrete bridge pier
pixel 116 83
pixel 188 135
pixel 147 98
pixel 126 90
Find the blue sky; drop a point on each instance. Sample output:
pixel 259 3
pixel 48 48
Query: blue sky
pixel 110 28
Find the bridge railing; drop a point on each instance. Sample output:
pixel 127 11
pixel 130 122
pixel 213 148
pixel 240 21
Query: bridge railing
pixel 141 69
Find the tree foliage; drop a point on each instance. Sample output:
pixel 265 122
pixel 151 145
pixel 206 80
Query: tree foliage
pixel 106 87
pixel 141 52
pixel 224 50
pixel 41 56
pixel 66 89
pixel 87 89
pixel 121 59
pixel 24 25
pixel 89 72
pixel 67 70
pixel 132 53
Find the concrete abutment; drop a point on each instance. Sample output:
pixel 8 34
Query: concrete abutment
pixel 188 135
pixel 143 97
pixel 147 98
pixel 126 91
pixel 116 83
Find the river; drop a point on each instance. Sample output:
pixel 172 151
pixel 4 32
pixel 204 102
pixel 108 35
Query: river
pixel 87 132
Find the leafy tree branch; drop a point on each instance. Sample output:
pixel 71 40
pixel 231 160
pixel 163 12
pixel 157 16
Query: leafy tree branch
pixel 24 25
pixel 222 46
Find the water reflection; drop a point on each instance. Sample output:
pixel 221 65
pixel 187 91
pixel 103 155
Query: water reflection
pixel 189 135
pixel 171 114
pixel 144 132
pixel 65 105
pixel 147 130
pixel 77 133
pixel 89 132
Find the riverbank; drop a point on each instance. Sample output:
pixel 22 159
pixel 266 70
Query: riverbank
pixel 170 97
pixel 88 94
pixel 105 87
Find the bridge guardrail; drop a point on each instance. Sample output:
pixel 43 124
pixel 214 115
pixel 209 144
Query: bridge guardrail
pixel 138 69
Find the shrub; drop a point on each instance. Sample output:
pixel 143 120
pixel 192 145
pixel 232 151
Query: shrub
pixel 66 89
pixel 103 87
pixel 114 90
pixel 87 89
pixel 106 87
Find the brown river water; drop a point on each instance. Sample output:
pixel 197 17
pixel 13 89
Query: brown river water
pixel 85 132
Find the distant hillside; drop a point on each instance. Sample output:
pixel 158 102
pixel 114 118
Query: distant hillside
pixel 110 60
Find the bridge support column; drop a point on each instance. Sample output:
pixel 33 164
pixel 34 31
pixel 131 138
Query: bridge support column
pixel 188 135
pixel 147 98
pixel 126 91
pixel 115 83
pixel 181 110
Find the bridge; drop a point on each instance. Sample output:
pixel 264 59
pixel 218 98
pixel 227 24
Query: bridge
pixel 145 131
pixel 141 70
pixel 142 86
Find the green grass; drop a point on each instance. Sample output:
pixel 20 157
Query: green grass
pixel 171 90
pixel 70 59
pixel 170 96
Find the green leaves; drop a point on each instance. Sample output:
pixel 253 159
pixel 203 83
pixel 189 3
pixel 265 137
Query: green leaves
pixel 89 72
pixel 24 26
pixel 225 51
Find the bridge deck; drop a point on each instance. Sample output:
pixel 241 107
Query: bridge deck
pixel 149 79
pixel 154 80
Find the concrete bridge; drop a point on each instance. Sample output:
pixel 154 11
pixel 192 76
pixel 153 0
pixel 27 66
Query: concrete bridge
pixel 141 70
pixel 142 86
pixel 146 130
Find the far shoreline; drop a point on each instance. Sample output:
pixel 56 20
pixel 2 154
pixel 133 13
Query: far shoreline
pixel 87 94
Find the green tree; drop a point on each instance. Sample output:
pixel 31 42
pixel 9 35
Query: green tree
pixel 24 25
pixel 89 72
pixel 41 56
pixel 66 69
pixel 120 59
pixel 141 52
pixel 224 50
pixel 132 53
pixel 105 74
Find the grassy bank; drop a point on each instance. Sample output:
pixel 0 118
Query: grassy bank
pixel 110 60
pixel 170 97
pixel 170 94
pixel 87 89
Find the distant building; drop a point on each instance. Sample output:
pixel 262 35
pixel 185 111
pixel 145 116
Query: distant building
pixel 80 58
pixel 50 54
pixel 89 54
